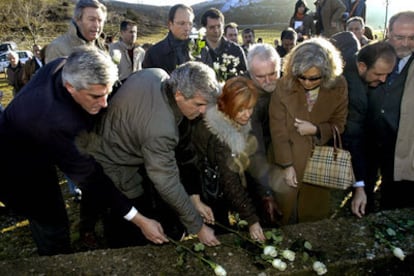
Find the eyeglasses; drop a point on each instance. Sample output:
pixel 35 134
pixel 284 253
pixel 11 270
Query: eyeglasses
pixel 183 23
pixel 311 79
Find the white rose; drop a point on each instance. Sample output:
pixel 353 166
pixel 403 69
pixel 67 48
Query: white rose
pixel 289 255
pixel 216 66
pixel 116 56
pixel 398 253
pixel 270 251
pixel 220 271
pixel 279 264
pixel 319 268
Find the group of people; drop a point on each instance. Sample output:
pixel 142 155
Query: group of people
pixel 164 144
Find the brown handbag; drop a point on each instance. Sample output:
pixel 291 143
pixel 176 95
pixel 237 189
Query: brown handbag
pixel 330 167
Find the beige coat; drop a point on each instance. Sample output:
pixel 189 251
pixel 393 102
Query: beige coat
pixel 308 201
pixel 126 66
pixel 404 148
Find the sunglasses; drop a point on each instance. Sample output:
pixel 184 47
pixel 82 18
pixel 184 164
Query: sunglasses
pixel 310 78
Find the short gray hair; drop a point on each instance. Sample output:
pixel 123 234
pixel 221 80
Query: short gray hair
pixel 81 4
pixel 87 66
pixel 194 77
pixel 315 52
pixel 263 52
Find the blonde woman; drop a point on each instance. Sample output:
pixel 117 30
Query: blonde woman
pixel 310 97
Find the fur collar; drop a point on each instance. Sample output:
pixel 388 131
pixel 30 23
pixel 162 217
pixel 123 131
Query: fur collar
pixel 228 131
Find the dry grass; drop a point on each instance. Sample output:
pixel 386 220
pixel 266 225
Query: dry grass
pixel 7 90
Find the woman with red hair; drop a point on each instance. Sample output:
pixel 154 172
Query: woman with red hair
pixel 224 141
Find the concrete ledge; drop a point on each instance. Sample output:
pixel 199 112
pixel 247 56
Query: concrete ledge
pixel 348 243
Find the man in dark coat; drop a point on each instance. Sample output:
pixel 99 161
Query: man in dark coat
pixel 172 50
pixel 384 107
pixel 38 130
pixel 370 68
pixel 225 57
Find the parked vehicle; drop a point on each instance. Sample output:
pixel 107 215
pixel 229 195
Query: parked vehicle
pixel 8 46
pixel 23 56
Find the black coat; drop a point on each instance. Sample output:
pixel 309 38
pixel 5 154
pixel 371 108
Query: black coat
pixel 38 131
pixel 220 151
pixel 163 55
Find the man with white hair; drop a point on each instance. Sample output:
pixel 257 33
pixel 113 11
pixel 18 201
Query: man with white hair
pixel 39 128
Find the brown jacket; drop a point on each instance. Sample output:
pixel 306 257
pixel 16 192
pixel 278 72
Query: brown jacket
pixel 331 15
pixel 404 147
pixel 290 148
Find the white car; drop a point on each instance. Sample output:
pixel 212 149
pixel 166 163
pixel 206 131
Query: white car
pixel 23 56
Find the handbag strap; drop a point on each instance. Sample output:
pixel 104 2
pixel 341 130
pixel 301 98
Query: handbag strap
pixel 337 140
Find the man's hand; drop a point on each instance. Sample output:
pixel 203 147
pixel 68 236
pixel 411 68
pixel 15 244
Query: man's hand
pixel 204 210
pixel 151 229
pixel 256 232
pixel 289 175
pixel 271 209
pixel 359 201
pixel 206 236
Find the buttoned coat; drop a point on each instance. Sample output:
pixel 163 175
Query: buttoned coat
pixel 292 149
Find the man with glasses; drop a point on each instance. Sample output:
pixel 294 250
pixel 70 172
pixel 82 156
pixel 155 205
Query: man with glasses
pixel 173 49
pixel 389 122
pixel 264 69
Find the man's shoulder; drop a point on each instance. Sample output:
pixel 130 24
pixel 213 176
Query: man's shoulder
pixel 161 45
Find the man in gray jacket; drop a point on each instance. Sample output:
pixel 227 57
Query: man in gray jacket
pixel 143 145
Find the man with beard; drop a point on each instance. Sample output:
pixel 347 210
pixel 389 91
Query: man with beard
pixel 372 65
pixel 264 69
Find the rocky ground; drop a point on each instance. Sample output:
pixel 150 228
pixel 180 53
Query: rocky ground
pixel 16 242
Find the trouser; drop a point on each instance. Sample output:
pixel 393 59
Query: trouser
pixel 51 238
pixel 34 192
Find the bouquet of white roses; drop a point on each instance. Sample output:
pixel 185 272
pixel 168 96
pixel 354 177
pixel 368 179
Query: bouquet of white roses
pixel 227 68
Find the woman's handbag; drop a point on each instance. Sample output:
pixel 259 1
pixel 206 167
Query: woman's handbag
pixel 330 167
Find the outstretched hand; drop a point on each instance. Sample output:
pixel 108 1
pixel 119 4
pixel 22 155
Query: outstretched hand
pixel 151 229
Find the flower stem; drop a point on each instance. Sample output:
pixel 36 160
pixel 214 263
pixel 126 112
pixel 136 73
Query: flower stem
pixel 211 264
pixel 238 234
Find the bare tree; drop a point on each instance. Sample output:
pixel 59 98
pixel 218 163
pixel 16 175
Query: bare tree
pixel 32 14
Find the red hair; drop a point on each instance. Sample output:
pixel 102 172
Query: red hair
pixel 238 93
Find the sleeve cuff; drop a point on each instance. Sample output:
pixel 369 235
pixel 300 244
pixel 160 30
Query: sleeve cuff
pixel 131 214
pixel 359 184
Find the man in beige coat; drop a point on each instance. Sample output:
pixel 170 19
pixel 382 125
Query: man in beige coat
pixel 85 29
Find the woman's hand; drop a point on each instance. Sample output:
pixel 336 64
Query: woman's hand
pixel 305 127
pixel 256 232
pixel 204 210
pixel 289 175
